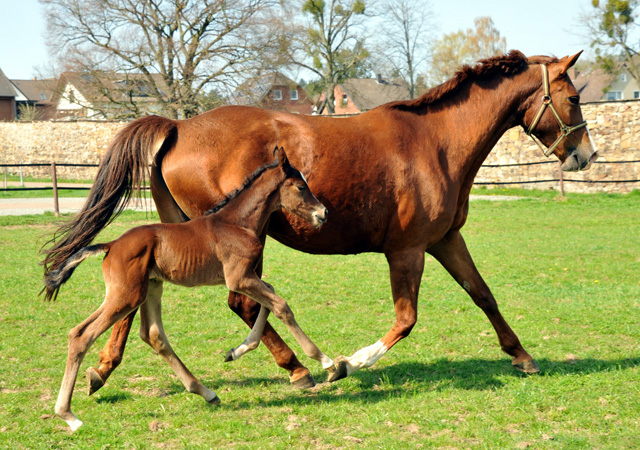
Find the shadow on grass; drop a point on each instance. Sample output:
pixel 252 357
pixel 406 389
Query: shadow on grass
pixel 398 379
pixel 380 384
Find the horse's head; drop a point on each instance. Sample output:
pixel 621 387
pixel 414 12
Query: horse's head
pixel 295 195
pixel 554 117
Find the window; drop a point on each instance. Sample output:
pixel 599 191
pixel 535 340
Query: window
pixel 623 77
pixel 277 94
pixel 345 99
pixel 43 96
pixel 636 94
pixel 293 94
pixel 614 95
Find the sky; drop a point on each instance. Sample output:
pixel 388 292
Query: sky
pixel 543 27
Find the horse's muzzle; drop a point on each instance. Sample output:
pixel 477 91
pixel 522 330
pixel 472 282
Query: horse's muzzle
pixel 578 161
pixel 320 217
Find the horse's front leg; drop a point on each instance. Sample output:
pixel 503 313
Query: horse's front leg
pixel 247 310
pixel 452 253
pixel 405 268
pixel 253 340
pixel 249 284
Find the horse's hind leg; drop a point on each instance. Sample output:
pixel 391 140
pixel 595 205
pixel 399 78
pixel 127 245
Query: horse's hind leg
pixel 253 340
pixel 111 354
pixel 80 339
pixel 452 253
pixel 405 267
pixel 113 351
pixel 152 332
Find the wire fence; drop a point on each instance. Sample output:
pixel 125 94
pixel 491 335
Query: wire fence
pixel 560 179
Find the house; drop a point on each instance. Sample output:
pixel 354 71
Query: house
pixel 596 85
pixel 105 95
pixel 273 91
pixel 36 94
pixel 357 95
pixel 8 96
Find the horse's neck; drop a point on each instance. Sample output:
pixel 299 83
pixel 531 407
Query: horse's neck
pixel 252 207
pixel 481 118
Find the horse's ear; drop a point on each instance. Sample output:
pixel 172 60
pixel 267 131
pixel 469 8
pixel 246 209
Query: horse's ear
pixel 567 62
pixel 281 156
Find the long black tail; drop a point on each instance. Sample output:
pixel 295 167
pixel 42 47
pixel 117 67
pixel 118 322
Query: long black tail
pixel 122 171
pixel 54 279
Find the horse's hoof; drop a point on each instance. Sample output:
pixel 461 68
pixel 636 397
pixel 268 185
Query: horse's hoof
pixel 305 382
pixel 529 367
pixel 339 371
pixel 94 381
pixel 229 356
pixel 214 401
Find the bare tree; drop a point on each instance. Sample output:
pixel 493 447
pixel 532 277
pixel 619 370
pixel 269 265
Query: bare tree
pixel 329 43
pixel 406 33
pixel 173 51
pixel 612 29
pixel 454 50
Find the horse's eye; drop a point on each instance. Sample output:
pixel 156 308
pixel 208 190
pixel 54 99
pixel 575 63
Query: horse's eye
pixel 575 100
pixel 302 187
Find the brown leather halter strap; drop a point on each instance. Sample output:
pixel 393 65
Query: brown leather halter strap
pixel 565 130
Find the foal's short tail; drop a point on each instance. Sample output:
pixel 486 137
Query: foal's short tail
pixel 122 171
pixel 54 279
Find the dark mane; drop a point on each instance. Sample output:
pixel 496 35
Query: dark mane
pixel 247 182
pixel 512 63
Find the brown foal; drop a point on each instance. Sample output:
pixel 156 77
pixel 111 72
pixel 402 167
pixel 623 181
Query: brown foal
pixel 223 246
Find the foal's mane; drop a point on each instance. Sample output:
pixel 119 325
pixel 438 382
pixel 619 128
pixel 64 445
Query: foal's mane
pixel 507 65
pixel 246 183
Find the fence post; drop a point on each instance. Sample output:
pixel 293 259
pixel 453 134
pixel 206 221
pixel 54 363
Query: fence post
pixel 561 179
pixel 54 178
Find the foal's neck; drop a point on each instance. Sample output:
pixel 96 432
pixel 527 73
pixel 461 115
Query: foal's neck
pixel 253 206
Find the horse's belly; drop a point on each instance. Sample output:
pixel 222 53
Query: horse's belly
pixel 187 278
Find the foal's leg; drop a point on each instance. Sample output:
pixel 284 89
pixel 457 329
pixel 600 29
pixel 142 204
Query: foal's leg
pixel 111 354
pixel 247 310
pixel 452 253
pixel 252 286
pixel 253 340
pixel 152 332
pixel 80 339
pixel 406 272
pixel 113 351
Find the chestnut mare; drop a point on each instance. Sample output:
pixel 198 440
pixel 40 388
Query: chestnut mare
pixel 396 180
pixel 220 247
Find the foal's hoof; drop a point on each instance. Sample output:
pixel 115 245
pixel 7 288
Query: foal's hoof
pixel 529 367
pixel 214 401
pixel 229 356
pixel 304 382
pixel 94 381
pixel 339 370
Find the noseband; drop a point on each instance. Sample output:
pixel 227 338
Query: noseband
pixel 565 130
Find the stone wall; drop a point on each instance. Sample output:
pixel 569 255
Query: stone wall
pixel 615 127
pixel 62 142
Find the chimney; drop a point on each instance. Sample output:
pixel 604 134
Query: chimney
pixel 379 79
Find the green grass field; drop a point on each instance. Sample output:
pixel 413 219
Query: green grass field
pixel 566 275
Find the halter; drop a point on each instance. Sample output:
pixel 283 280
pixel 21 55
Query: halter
pixel 546 101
